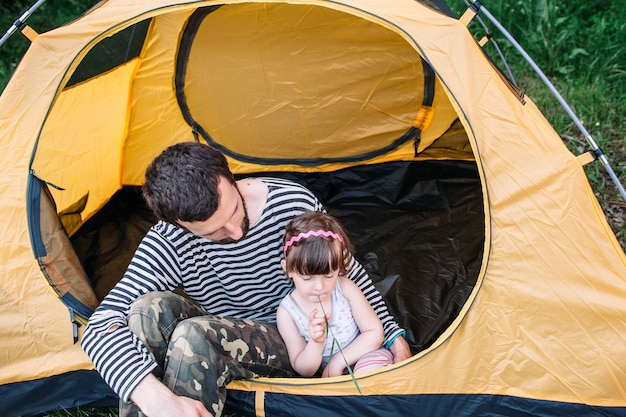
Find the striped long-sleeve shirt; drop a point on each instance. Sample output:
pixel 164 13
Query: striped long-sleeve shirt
pixel 242 279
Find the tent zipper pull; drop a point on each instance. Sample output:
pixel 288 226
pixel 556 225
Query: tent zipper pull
pixel 75 324
pixel 56 187
pixel 417 139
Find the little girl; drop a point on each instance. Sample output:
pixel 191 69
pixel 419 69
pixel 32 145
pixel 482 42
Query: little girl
pixel 317 257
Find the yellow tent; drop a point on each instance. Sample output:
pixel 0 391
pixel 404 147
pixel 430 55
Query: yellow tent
pixel 476 222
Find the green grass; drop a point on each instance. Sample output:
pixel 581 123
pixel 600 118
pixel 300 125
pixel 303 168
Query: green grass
pixel 86 412
pixel 51 14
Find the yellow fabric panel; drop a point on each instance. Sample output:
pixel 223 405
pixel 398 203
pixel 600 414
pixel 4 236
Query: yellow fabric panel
pixel 36 333
pixel 300 81
pixel 443 116
pixel 156 121
pixel 35 330
pixel 285 81
pixel 61 265
pixel 81 145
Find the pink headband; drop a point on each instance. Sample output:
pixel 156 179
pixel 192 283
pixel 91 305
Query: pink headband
pixel 308 234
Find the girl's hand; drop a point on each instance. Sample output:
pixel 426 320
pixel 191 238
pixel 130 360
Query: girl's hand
pixel 317 326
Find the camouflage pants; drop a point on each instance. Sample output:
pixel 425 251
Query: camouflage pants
pixel 199 354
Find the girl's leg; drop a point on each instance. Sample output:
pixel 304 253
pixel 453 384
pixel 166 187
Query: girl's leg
pixel 373 360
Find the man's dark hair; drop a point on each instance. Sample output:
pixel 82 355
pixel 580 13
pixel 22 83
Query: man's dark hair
pixel 181 183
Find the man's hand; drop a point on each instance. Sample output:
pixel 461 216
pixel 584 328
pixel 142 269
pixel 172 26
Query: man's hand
pixel 400 349
pixel 156 400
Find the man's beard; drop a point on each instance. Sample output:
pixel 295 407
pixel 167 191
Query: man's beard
pixel 245 222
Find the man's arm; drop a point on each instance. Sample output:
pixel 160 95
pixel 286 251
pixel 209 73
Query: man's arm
pixel 119 356
pixel 394 334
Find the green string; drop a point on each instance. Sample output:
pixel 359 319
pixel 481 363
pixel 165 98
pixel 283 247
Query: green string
pixel 332 348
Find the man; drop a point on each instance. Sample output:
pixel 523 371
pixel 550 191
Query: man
pixel 220 241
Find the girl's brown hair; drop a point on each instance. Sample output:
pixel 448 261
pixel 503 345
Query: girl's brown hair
pixel 316 255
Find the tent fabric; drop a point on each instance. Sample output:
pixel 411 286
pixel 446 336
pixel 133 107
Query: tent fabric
pixel 391 66
pixel 315 88
pixel 58 258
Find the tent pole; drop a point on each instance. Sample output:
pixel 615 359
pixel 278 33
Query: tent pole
pixel 493 42
pixel 478 7
pixel 19 23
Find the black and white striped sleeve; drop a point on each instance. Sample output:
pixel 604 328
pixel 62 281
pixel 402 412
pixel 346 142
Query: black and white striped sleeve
pixel 363 281
pixel 120 358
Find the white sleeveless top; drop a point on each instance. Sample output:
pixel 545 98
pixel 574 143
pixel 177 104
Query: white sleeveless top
pixel 342 326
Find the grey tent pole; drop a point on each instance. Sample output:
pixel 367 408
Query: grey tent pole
pixel 478 7
pixel 19 23
pixel 495 45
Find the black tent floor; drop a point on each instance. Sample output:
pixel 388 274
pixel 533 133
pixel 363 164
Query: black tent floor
pixel 76 389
